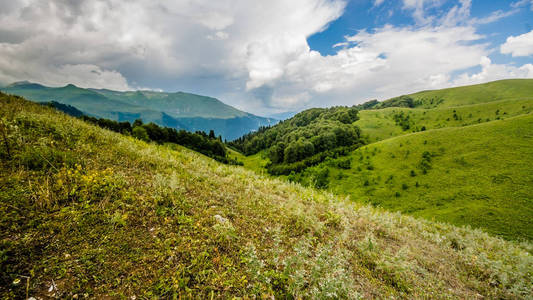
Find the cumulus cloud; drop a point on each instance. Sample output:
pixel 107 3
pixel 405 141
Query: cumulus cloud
pixel 252 54
pixel 521 45
pixel 491 72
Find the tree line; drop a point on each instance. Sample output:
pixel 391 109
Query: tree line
pixel 207 144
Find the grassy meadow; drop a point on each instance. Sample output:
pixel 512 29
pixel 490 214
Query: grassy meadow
pixel 85 212
pixel 510 89
pixel 380 124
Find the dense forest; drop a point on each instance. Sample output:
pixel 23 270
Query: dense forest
pixel 304 140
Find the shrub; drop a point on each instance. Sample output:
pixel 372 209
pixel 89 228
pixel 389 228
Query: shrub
pixel 344 163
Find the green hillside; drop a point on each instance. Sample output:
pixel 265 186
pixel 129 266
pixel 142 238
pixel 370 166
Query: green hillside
pixel 86 212
pixel 479 143
pixel 176 110
pixel 380 124
pixel 477 175
pixel 304 140
pixel 517 89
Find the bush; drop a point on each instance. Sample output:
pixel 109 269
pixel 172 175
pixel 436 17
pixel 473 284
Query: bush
pixel 321 178
pixel 140 133
pixel 345 163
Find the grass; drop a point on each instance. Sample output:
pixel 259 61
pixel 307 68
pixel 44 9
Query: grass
pixel 511 89
pixel 256 162
pixel 379 124
pixel 477 175
pixel 85 212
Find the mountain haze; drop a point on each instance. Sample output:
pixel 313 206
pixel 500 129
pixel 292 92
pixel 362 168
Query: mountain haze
pixel 177 110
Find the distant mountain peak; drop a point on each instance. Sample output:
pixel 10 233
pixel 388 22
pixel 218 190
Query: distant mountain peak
pixel 25 84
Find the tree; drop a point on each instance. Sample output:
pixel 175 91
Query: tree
pixel 276 153
pixel 137 122
pixel 140 133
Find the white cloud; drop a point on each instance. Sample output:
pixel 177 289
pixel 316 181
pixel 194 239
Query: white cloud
pixel 493 17
pixel 419 8
pixel 210 47
pixel 491 72
pixel 522 3
pixel 219 35
pixel 521 45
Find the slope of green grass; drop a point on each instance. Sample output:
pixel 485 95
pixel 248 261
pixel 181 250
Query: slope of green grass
pixel 380 124
pixel 85 212
pixel 474 94
pixel 256 162
pixel 478 175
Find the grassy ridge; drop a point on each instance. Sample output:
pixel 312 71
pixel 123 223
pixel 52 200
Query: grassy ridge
pixel 477 175
pixel 96 214
pixel 515 89
pixel 379 124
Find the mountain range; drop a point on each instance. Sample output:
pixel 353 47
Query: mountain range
pixel 177 110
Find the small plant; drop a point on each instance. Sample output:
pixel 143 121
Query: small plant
pixel 345 163
pixel 425 162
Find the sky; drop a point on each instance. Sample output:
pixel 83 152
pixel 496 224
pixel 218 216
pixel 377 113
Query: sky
pixel 267 56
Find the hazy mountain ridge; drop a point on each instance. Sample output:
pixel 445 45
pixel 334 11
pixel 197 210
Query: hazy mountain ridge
pixel 178 110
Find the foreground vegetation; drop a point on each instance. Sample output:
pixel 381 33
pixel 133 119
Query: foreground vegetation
pixel 86 212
